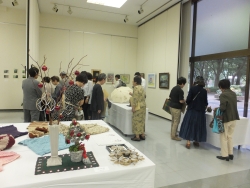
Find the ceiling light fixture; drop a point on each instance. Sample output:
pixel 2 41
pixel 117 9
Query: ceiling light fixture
pixel 70 11
pixel 126 19
pixel 55 8
pixel 14 3
pixel 140 11
pixel 110 3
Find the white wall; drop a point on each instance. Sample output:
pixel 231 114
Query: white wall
pixel 34 30
pixel 13 50
pixel 110 47
pixel 158 44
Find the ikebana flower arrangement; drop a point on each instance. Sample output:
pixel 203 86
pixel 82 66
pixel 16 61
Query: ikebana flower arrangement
pixel 46 102
pixel 77 135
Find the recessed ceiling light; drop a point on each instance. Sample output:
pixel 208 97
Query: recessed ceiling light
pixel 110 3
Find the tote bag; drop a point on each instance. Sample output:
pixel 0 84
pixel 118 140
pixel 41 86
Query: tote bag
pixel 218 124
pixel 166 106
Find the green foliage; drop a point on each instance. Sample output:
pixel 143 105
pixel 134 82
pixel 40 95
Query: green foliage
pixel 74 148
pixel 212 89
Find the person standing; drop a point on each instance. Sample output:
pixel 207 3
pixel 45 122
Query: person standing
pixel 228 107
pixel 31 93
pixel 193 127
pixel 85 105
pixel 97 100
pixel 176 102
pixel 90 82
pixel 56 95
pixel 138 105
pixel 143 81
pixel 118 82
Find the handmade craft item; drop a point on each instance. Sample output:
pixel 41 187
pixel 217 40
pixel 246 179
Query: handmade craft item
pixel 7 157
pixel 123 156
pixel 121 95
pixel 77 135
pixel 6 141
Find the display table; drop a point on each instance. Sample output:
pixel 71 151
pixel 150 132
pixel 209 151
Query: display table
pixel 240 136
pixel 120 116
pixel 20 173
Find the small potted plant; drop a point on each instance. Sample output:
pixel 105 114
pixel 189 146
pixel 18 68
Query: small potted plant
pixel 76 135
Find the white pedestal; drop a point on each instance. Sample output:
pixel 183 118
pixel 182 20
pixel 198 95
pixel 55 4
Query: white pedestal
pixel 54 160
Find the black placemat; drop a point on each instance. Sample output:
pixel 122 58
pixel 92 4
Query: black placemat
pixel 67 164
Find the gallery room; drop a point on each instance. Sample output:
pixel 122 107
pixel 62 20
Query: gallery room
pixel 125 93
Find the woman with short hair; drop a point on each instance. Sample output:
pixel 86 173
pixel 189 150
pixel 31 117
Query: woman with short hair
pixel 228 107
pixel 138 105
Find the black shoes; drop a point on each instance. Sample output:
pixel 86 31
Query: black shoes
pixel 223 158
pixel 142 137
pixel 231 157
pixel 136 139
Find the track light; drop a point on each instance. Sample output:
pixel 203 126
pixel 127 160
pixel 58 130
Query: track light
pixel 14 3
pixel 126 19
pixel 70 11
pixel 55 8
pixel 140 11
pixel 1 1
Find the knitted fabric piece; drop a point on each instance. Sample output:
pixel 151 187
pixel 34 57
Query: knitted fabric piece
pixel 41 146
pixel 6 141
pixel 11 129
pixel 7 157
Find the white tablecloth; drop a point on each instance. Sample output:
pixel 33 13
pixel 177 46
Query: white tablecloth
pixel 20 173
pixel 120 116
pixel 240 136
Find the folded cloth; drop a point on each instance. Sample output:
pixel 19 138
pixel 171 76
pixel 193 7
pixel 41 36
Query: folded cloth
pixel 37 124
pixel 94 129
pixel 6 141
pixel 7 157
pixel 41 146
pixel 12 130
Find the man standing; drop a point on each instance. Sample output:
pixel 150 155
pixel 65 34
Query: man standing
pixel 64 79
pixel 97 100
pixel 31 93
pixel 177 99
pixel 58 89
pixel 118 82
pixel 143 81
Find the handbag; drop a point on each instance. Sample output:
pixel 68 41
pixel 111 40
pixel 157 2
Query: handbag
pixel 166 106
pixel 218 124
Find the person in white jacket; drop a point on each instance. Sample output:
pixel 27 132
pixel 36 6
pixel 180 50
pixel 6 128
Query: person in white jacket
pixel 143 81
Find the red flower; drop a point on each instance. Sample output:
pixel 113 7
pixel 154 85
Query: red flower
pixel 84 155
pixel 71 133
pixel 79 134
pixel 71 82
pixel 57 107
pixel 40 85
pixel 74 122
pixel 67 141
pixel 77 72
pixel 44 68
pixel 47 111
pixel 87 137
pixel 60 116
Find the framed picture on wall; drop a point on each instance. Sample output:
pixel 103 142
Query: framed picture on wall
pixel 164 80
pixel 125 78
pixel 151 80
pixel 95 72
pixel 110 78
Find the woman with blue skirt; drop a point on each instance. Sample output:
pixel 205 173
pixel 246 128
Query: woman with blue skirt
pixel 193 127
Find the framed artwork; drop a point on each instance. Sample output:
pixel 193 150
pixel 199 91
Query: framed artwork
pixel 15 71
pixel 125 78
pixel 95 72
pixel 15 76
pixel 6 71
pixel 110 78
pixel 142 75
pixel 151 80
pixel 6 76
pixel 164 80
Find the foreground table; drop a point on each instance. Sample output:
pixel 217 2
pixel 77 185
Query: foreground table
pixel 240 136
pixel 120 116
pixel 20 173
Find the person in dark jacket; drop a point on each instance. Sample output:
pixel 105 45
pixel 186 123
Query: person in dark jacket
pixel 97 100
pixel 228 106
pixel 193 127
pixel 177 99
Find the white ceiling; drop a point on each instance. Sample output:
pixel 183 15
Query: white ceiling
pixel 99 12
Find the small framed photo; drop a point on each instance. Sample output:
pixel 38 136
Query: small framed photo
pixel 6 76
pixel 164 80
pixel 15 76
pixel 95 72
pixel 151 80
pixel 15 71
pixel 6 71
pixel 24 76
pixel 125 78
pixel 110 78
pixel 23 71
